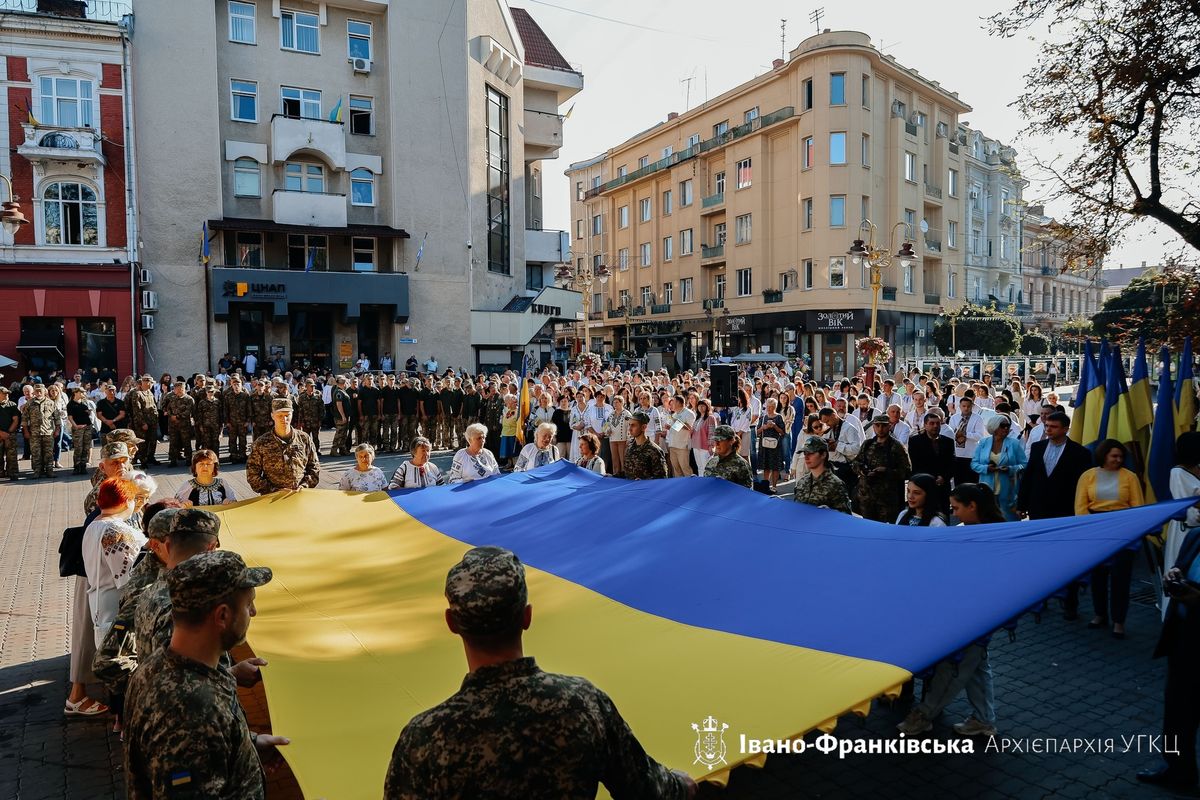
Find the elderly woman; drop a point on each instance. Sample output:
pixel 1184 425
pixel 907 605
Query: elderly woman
pixel 110 547
pixel 999 461
pixel 205 488
pixel 365 476
pixel 417 472
pixel 474 461
pixel 589 453
pixel 540 451
pixel 618 437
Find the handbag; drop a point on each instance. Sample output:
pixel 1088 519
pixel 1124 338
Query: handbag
pixel 70 553
pixel 769 442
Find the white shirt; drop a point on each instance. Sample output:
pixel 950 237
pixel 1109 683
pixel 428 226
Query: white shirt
pixel 901 431
pixel 410 476
pixel 250 363
pixel 682 437
pixel 974 432
pixel 595 417
pixel 532 458
pixel 110 548
pixel 373 480
pixel 848 442
pixel 1036 435
pixel 466 467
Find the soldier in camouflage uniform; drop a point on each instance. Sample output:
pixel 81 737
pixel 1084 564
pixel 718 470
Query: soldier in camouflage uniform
pixel 185 732
pixel 260 410
pixel 310 408
pixel 237 418
pixel 79 417
pixel 341 418
pixel 727 464
pixel 180 409
pixel 883 466
pixel 208 419
pixel 143 417
pixel 10 423
pixel 188 531
pixel 43 425
pixel 123 436
pixel 820 487
pixel 545 735
pixel 283 458
pixel 644 459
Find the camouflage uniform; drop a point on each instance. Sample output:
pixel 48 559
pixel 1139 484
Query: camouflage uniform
pixel 644 461
pixel 117 656
pixel 183 408
pixel 152 623
pixel 185 732
pixel 827 490
pixel 341 428
pixel 732 468
pixel 8 446
pixel 123 436
pixel 276 464
pixel 260 413
pixel 237 418
pixel 208 421
pixel 545 735
pixel 309 410
pixel 81 446
pixel 143 419
pixel 881 497
pixel 40 416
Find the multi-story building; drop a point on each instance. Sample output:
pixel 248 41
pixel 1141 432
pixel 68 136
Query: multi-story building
pixel 991 262
pixel 1114 280
pixel 727 227
pixel 1058 285
pixel 68 296
pixel 366 173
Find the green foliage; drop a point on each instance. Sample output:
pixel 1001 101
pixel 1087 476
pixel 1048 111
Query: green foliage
pixel 1140 311
pixel 986 329
pixel 1035 343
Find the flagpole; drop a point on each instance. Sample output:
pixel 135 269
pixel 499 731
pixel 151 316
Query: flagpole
pixel 207 317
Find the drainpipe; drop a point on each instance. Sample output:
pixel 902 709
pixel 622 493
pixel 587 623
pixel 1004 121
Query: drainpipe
pixel 131 219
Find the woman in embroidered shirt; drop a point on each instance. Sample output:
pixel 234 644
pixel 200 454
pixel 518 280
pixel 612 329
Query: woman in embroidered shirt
pixel 589 454
pixel 510 420
pixel 110 548
pixel 540 451
pixel 365 477
pixel 579 409
pixel 474 461
pixel 417 472
pixel 618 436
pixel 205 487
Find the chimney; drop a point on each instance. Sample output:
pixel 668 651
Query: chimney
pixel 777 63
pixel 63 8
pixel 1143 265
pixel 672 115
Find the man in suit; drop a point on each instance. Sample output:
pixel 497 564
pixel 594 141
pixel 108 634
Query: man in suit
pixel 1180 643
pixel 1047 488
pixel 933 454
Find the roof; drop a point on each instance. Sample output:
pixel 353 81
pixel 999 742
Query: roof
pixel 539 50
pixel 1121 276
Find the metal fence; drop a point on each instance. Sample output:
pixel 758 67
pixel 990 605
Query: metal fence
pixel 91 10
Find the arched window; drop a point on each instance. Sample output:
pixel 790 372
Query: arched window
pixel 69 214
pixel 247 178
pixel 362 187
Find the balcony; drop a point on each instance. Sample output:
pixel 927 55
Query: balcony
pixel 933 299
pixel 910 129
pixel 772 296
pixel 660 308
pixel 316 137
pixel 47 143
pixel 595 315
pixel 953 146
pixel 933 191
pixel 547 247
pixel 714 303
pixel 712 256
pixel 933 245
pixel 1024 309
pixel 308 208
pixel 543 133
pixel 712 204
pixel 518 323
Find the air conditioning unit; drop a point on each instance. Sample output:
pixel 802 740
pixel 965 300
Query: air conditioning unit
pixel 362 65
pixel 144 277
pixel 149 300
pixel 147 322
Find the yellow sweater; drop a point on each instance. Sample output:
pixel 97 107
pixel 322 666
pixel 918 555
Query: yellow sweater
pixel 1129 493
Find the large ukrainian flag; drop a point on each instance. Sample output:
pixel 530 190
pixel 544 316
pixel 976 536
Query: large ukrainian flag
pixel 682 599
pixel 1185 391
pixel 1089 403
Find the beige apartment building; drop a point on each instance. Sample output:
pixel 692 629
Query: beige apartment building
pixel 726 228
pixel 1058 285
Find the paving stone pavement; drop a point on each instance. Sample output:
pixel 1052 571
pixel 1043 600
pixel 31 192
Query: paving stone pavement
pixel 1057 679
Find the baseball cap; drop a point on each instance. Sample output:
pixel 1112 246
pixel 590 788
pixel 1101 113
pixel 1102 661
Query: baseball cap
pixel 815 444
pixel 723 433
pixel 169 520
pixel 147 378
pixel 281 404
pixel 123 435
pixel 881 419
pixel 114 450
pixel 197 583
pixel 486 591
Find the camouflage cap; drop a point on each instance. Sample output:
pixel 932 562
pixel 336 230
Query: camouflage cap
pixel 881 419
pixel 815 444
pixel 642 417
pixel 123 435
pixel 309 382
pixel 169 520
pixel 147 378
pixel 114 450
pixel 199 582
pixel 281 404
pixel 723 433
pixel 486 591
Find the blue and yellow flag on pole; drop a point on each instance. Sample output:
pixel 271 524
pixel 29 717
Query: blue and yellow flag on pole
pixel 1116 421
pixel 523 400
pixel 1161 457
pixel 1089 404
pixel 1185 391
pixel 205 254
pixel 336 114
pixel 1140 395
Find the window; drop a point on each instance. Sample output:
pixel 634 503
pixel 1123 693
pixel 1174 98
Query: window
pixel 358 39
pixel 837 211
pixel 837 148
pixel 644 209
pixel 750 115
pixel 976 242
pixel 303 177
pixel 866 91
pixel 362 115
pixel 535 277
pixel 978 288
pixel 362 187
pixel 1004 247
pixel 721 128
pixel 866 150
pixel 693 140
pixel 644 255
pixel 685 290
pixel 302 247
pixel 578 229
pixel 806 213
pixel 837 272
pixel 300 103
pixel 719 233
pixel 249 249
pixel 597 225
pixel 579 190
pixel 900 109
pixel 241 22
pixel 685 193
pixel 910 224
pixel 667 151
pixel 243 105
pixel 719 183
pixel 647 296
pixel 950 289
pixel 686 248
pixel 498 204
pixel 743 283
pixel 908 279
pixel 742 229
pixel 70 214
pixel 643 162
pixel 66 102
pixel 623 217
pixel 787 280
pixel 623 298
pixel 668 248
pixel 363 254
pixel 597 302
pixel 808 273
pixel 837 89
pixel 622 171
pixel 668 293
pixel 666 203
pixel 719 288
pixel 299 31
pixel 597 262
pixel 809 153
pixel 623 258
pixel 910 167
pixel 596 182
pixel 743 173
pixel 952 183
pixel 247 179
pixel 806 95
pixel 1005 196
pixel 952 234
pixel 864 210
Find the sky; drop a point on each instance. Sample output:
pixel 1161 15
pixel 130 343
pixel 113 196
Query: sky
pixel 637 56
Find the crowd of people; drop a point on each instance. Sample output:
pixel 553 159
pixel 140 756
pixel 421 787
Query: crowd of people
pixel 906 450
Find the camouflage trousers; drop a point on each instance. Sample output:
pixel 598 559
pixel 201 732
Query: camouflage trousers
pixel 458 432
pixel 41 454
pixel 368 430
pixel 81 445
pixel 208 437
pixel 179 446
pixel 388 431
pixel 8 456
pixel 441 432
pixel 145 452
pixel 237 441
pixel 341 439
pixel 314 433
pixel 409 429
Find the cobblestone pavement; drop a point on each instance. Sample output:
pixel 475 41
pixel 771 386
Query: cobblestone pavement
pixel 1057 680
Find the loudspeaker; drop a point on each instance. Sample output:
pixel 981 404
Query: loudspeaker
pixel 724 384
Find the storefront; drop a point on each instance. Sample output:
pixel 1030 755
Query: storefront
pixel 313 320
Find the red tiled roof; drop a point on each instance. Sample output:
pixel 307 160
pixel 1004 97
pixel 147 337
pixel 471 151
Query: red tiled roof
pixel 539 50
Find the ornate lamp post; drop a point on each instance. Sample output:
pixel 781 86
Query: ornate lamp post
pixel 10 211
pixel 878 259
pixel 582 279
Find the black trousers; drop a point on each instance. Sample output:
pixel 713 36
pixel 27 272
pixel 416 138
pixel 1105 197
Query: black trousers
pixel 1120 575
pixel 1181 707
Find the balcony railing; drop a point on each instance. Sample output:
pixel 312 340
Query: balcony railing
pixel 595 315
pixel 910 129
pixel 772 296
pixel 933 299
pixel 660 308
pixel 718 251
pixel 713 200
pixel 933 191
pixel 954 147
pixel 933 245
pixel 95 10
pixel 715 302
pixel 615 313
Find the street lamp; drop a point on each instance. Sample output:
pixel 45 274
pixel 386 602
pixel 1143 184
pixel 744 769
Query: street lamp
pixel 583 278
pixel 11 217
pixel 711 313
pixel 878 259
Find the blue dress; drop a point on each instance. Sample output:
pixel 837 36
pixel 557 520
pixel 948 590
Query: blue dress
pixel 1003 484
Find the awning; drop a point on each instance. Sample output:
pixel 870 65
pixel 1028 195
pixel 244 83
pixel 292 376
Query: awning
pixel 244 224
pixel 5 361
pixel 760 358
pixel 40 340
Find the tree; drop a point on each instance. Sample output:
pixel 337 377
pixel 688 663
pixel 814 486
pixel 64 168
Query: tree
pixel 981 328
pixel 1140 311
pixel 1035 343
pixel 1122 79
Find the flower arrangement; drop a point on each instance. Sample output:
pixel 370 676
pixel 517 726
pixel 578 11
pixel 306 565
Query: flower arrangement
pixel 874 349
pixel 588 362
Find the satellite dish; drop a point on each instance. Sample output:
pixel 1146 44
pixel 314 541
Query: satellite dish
pixel 924 226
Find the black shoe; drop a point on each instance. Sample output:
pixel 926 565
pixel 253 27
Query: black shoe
pixel 1098 624
pixel 1167 778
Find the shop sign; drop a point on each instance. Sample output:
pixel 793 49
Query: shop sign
pixel 345 354
pixel 254 289
pixel 834 321
pixel 735 324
